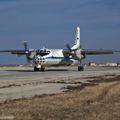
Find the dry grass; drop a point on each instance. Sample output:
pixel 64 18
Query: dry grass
pixel 98 102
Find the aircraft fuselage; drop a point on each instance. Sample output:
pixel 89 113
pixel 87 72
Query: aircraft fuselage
pixel 54 58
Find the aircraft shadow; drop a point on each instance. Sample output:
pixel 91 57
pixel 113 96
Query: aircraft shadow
pixel 37 71
pixel 20 70
pixel 56 70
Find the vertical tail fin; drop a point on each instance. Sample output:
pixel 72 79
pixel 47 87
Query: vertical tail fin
pixel 77 39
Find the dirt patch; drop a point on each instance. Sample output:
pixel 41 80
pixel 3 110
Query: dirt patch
pixel 102 79
pixel 95 81
pixel 7 86
pixel 94 101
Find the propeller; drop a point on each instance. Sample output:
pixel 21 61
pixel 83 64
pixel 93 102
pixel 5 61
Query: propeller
pixel 76 53
pixel 68 47
pixel 27 52
pixel 25 45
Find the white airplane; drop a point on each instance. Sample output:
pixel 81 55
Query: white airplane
pixel 42 58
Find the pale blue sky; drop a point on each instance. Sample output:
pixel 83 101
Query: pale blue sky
pixel 52 23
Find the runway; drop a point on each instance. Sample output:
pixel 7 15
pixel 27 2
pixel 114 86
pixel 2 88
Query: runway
pixel 23 82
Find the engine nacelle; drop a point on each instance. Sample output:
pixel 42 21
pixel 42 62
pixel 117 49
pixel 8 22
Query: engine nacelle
pixel 79 55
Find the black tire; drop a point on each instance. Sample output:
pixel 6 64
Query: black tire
pixel 36 69
pixel 42 68
pixel 80 68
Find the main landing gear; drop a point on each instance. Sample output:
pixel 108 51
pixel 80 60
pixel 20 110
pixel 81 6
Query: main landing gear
pixel 80 68
pixel 39 69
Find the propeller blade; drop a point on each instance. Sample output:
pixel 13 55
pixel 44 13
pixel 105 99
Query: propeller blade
pixel 27 52
pixel 28 61
pixel 68 47
pixel 25 45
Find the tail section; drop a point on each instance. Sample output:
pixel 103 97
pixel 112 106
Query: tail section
pixel 77 39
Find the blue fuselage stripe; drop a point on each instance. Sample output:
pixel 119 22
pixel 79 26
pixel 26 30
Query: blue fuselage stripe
pixel 63 58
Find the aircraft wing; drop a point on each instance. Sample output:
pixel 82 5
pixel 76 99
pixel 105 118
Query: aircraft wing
pixel 41 52
pixel 17 52
pixel 98 52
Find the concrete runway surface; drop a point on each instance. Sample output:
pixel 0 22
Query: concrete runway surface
pixel 23 82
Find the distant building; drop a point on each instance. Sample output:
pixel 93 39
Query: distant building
pixel 118 64
pixel 101 65
pixel 92 64
pixel 111 64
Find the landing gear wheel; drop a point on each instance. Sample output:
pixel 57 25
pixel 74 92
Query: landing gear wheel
pixel 36 69
pixel 80 68
pixel 42 68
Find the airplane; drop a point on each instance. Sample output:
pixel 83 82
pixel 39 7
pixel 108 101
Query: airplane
pixel 42 58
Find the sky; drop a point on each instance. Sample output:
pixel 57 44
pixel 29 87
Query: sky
pixel 52 24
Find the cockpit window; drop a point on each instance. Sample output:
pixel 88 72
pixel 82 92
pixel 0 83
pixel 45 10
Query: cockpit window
pixel 42 52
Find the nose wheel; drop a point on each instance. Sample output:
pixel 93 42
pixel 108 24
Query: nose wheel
pixel 39 69
pixel 36 69
pixel 42 68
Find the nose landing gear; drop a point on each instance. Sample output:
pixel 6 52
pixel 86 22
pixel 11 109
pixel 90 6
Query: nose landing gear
pixel 39 69
pixel 36 69
pixel 42 68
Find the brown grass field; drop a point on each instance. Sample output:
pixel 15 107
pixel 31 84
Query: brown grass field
pixel 99 101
